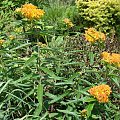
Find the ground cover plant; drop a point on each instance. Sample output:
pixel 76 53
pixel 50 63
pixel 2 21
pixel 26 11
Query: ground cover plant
pixel 57 62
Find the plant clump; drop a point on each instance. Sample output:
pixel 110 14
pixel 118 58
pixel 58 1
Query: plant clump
pixel 103 14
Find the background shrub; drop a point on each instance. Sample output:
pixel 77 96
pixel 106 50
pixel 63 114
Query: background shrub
pixel 102 14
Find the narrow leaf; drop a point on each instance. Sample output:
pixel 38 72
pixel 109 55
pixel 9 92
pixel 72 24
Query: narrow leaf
pixel 40 100
pixel 58 98
pixel 50 73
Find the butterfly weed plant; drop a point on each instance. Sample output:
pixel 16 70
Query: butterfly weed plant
pixel 47 73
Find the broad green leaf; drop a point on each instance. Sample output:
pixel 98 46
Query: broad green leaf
pixel 89 109
pixel 40 94
pixel 91 58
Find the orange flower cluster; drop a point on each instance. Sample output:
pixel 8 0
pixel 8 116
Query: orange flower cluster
pixel 92 35
pixel 112 58
pixel 30 11
pixel 2 41
pixel 100 92
pixel 68 22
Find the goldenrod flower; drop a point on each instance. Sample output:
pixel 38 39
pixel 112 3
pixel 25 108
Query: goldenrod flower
pixel 2 41
pixel 92 35
pixel 100 92
pixel 112 58
pixel 30 11
pixel 68 22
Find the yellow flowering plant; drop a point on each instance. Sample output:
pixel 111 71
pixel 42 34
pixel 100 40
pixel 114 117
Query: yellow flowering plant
pixel 112 58
pixel 30 11
pixel 92 35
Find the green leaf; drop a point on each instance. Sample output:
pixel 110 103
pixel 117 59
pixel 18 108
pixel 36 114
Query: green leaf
pixel 4 86
pixel 52 115
pixel 43 117
pixel 117 116
pixel 21 46
pixel 116 81
pixel 50 95
pixel 58 98
pixel 50 73
pixel 40 100
pixel 73 76
pixel 83 92
pixel 64 83
pixel 59 40
pixel 89 109
pixel 26 77
pixel 40 94
pixel 88 99
pixel 67 112
pixel 17 98
pixel 74 51
pixel 30 60
pixel 37 110
pixel 91 57
pixel 72 63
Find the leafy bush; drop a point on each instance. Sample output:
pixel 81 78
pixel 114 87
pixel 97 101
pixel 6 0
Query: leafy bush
pixel 103 14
